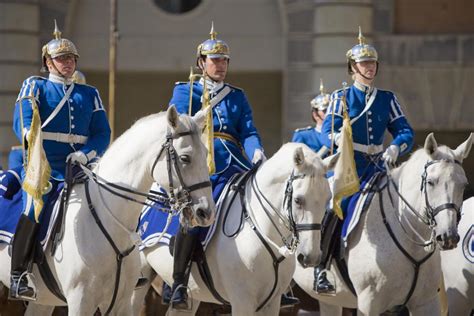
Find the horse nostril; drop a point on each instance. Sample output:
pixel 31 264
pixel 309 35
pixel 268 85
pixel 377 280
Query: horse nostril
pixel 201 213
pixel 456 239
pixel 301 260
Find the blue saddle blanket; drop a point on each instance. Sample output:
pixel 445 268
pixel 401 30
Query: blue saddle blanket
pixel 356 205
pixel 11 210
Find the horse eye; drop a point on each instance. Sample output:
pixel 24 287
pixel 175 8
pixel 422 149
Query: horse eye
pixel 299 201
pixel 430 182
pixel 185 158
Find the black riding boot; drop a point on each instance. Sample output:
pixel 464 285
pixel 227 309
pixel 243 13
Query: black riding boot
pixel 183 251
pixel 22 254
pixel 321 283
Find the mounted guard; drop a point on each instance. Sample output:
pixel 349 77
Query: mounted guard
pixel 371 112
pixel 310 135
pixel 56 121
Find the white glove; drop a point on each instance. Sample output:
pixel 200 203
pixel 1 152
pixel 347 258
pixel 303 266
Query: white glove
pixel 77 157
pixel 257 156
pixel 391 154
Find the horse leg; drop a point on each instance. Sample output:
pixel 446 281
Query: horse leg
pixel 271 308
pixel 458 304
pixel 187 312
pixel 326 309
pixel 80 304
pixel 38 310
pixel 428 308
pixel 139 294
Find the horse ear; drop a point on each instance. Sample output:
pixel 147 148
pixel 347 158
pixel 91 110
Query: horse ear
pixel 463 150
pixel 200 118
pixel 298 156
pixel 430 144
pixel 172 116
pixel 330 162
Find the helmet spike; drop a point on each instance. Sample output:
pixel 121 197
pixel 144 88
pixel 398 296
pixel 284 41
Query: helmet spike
pixel 321 86
pixel 213 33
pixel 57 33
pixel 361 37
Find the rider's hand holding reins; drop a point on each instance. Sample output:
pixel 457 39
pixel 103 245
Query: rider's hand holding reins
pixel 257 156
pixel 77 157
pixel 391 154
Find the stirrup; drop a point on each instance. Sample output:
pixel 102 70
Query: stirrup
pixel 16 296
pixel 325 278
pixel 180 305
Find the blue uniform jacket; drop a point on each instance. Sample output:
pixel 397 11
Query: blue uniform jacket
pixel 369 122
pixel 232 116
pixel 310 136
pixel 82 116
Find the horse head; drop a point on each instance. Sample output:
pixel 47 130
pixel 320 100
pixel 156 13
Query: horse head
pixel 442 184
pixel 181 167
pixel 306 193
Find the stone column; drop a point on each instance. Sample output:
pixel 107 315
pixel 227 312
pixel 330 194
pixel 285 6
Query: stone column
pixel 20 56
pixel 319 34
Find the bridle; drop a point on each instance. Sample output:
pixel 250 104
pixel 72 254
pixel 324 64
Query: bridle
pixel 430 211
pixel 289 221
pixel 182 199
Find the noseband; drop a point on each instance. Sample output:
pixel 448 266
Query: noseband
pixel 183 198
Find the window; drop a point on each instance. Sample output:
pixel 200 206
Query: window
pixel 177 6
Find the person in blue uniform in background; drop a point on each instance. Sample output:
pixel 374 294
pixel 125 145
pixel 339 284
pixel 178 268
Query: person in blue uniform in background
pixel 237 144
pixel 312 135
pixel 74 128
pixel 372 111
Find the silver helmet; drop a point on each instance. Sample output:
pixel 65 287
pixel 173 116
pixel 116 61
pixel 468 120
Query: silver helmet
pixel 213 47
pixel 57 47
pixel 361 52
pixel 321 101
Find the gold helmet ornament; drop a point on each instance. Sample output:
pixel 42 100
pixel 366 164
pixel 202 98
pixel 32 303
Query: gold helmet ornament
pixel 321 101
pixel 78 77
pixel 361 52
pixel 57 47
pixel 213 47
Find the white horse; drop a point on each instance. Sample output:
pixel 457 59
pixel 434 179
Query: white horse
pixel 85 263
pixel 243 266
pixel 382 275
pixel 458 266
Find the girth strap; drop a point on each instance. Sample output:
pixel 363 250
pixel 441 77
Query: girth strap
pixel 120 255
